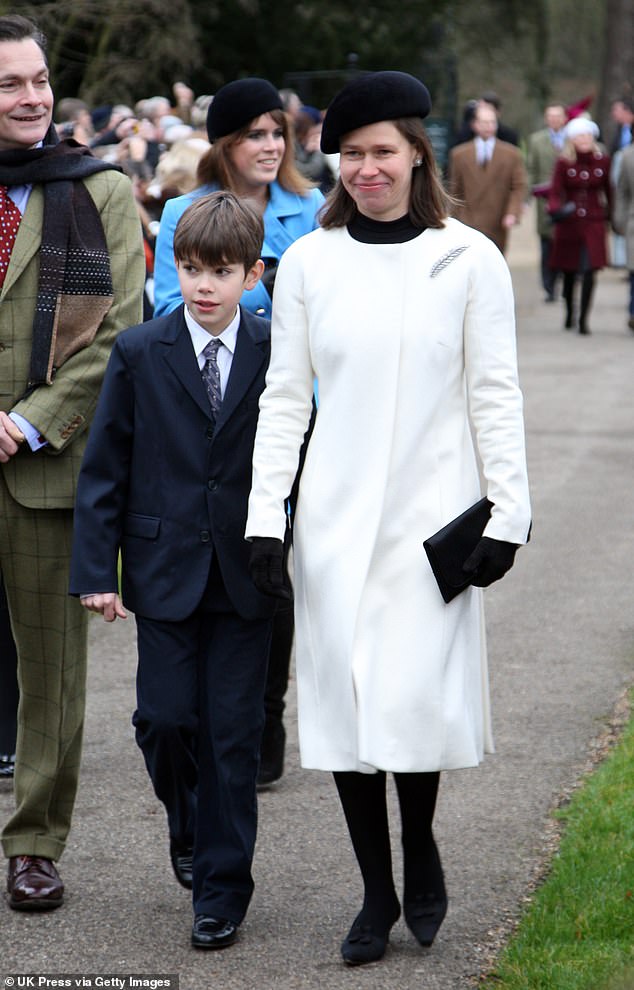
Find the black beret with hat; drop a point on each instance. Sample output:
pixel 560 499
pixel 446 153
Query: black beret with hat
pixel 369 99
pixel 240 101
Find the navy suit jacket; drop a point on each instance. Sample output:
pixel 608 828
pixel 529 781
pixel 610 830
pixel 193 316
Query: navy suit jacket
pixel 162 482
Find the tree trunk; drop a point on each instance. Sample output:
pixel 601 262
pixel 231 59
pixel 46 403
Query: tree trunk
pixel 618 59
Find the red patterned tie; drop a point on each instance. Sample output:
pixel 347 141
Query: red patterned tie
pixel 10 218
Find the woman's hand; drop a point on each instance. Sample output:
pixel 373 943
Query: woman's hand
pixel 266 567
pixel 490 561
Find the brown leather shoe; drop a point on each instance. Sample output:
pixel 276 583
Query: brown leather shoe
pixel 33 884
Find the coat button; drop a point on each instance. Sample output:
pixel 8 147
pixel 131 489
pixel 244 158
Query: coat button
pixel 212 485
pixel 205 536
pixel 210 433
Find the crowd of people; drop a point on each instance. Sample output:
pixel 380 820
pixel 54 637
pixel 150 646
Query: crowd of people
pixel 199 444
pixel 159 143
pixel 583 187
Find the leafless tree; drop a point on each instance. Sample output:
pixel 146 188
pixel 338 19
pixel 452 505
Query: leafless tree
pixel 617 77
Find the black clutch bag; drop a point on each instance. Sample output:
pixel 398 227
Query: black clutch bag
pixel 563 212
pixel 448 549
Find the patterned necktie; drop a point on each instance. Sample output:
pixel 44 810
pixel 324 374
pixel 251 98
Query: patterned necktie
pixel 10 217
pixel 211 375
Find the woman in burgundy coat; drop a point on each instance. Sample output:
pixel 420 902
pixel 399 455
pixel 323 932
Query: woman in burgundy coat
pixel 580 189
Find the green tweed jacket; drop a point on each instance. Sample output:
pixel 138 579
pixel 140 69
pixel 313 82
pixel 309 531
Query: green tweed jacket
pixel 541 158
pixel 62 411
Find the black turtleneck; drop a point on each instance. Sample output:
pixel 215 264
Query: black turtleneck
pixel 362 228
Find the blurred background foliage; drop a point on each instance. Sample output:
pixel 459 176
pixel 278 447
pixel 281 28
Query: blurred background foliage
pixel 111 51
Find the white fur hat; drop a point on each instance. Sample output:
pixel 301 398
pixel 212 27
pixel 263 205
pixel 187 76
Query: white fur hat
pixel 581 125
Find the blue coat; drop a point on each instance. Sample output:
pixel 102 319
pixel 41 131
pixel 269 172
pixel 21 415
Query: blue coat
pixel 287 217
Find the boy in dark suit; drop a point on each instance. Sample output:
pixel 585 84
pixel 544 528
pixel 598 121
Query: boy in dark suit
pixel 165 480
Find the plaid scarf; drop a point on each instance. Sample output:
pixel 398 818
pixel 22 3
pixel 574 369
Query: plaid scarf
pixel 75 282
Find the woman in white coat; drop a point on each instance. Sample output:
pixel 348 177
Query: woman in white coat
pixel 406 320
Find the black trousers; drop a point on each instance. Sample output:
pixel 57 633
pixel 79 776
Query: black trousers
pixel 279 662
pixel 199 719
pixel 548 275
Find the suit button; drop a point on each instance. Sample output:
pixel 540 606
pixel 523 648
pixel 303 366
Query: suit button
pixel 210 433
pixel 205 536
pixel 212 485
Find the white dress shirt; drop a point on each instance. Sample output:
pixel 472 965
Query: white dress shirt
pixel 228 338
pixel 484 149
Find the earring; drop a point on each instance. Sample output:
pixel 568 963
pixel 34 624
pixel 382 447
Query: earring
pixel 417 162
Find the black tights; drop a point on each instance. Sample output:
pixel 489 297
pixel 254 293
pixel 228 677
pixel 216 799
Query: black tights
pixel 587 288
pixel 364 802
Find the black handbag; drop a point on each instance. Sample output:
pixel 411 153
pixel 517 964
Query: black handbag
pixel 449 548
pixel 563 212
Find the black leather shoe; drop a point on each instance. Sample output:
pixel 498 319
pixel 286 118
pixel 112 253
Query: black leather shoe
pixel 213 933
pixel 181 858
pixel 424 916
pixel 7 765
pixel 271 753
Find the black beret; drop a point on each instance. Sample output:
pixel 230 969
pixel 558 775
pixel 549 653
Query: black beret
pixel 369 99
pixel 100 117
pixel 235 104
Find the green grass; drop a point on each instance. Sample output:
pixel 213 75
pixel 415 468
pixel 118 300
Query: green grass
pixel 578 931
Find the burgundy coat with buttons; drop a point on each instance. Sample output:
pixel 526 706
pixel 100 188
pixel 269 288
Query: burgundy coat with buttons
pixel 586 183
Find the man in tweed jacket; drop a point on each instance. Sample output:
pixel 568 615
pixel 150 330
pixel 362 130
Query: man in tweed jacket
pixel 544 147
pixel 43 431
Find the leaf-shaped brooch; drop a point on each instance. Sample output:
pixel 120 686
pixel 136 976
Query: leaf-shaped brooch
pixel 446 259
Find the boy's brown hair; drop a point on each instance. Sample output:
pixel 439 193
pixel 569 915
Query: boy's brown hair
pixel 219 229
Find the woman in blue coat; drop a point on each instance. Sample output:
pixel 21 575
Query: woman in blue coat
pixel 252 155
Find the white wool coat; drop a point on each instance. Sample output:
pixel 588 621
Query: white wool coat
pixel 413 349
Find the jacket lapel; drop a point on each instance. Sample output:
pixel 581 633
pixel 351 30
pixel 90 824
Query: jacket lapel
pixel 277 237
pixel 249 356
pixel 182 360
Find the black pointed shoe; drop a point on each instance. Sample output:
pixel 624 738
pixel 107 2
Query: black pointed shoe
pixel 424 915
pixel 213 933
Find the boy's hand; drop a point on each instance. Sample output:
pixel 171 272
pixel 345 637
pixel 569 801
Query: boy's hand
pixel 266 567
pixel 109 604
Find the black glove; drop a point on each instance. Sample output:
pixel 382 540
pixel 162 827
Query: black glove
pixel 266 567
pixel 490 561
